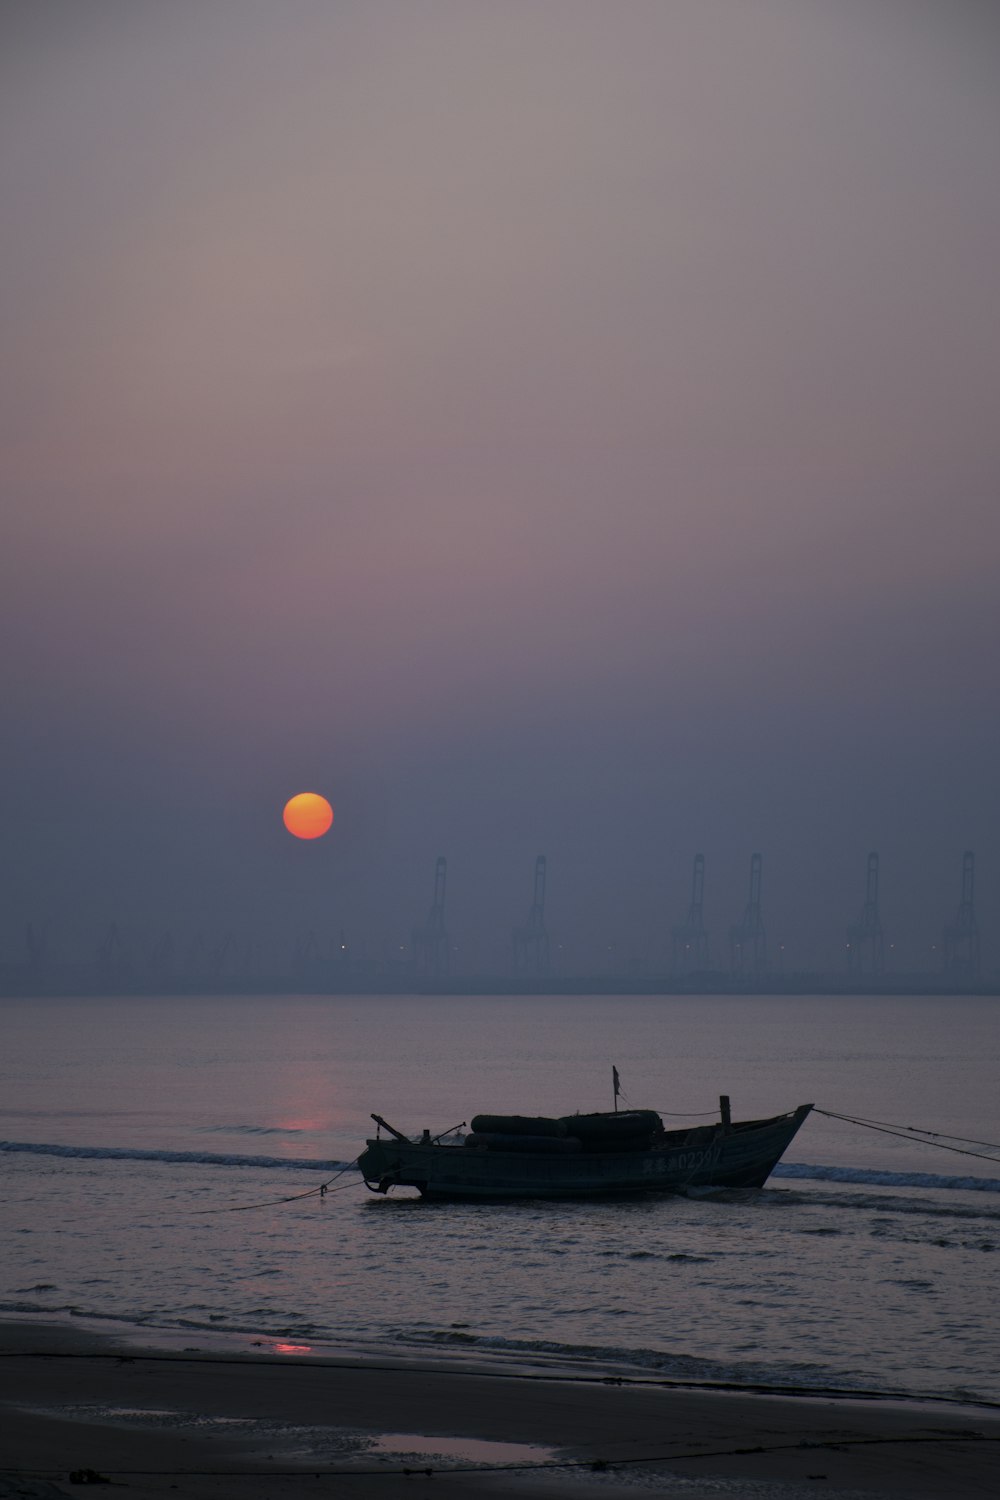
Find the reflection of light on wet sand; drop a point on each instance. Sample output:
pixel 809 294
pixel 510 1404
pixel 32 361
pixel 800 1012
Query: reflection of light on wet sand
pixel 293 1348
pixel 475 1450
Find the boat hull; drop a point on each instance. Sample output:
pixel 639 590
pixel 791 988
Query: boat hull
pixel 713 1157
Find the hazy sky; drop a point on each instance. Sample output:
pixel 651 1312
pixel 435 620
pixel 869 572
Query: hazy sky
pixel 551 426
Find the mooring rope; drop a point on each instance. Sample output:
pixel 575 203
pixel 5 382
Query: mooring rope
pixel 832 1443
pixel 320 1192
pixel 945 1135
pixel 908 1133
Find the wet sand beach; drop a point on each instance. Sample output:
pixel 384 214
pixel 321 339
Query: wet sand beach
pixel 159 1421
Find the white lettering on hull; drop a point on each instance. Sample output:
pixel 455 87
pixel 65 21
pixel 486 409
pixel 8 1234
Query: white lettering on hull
pixel 681 1161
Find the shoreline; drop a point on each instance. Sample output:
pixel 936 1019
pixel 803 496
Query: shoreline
pixel 78 1334
pixel 154 1418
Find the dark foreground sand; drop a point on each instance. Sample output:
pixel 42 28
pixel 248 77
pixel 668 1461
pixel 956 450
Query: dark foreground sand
pixel 204 1424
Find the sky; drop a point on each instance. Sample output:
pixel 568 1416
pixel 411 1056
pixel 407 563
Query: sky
pixel 543 427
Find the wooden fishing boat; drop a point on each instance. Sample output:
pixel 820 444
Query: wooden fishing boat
pixel 579 1156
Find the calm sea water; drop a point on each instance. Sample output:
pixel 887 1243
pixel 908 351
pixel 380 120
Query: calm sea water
pixel 869 1262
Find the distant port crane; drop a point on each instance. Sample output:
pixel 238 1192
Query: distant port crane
pixel 430 942
pixel 689 940
pixel 748 940
pixel 865 944
pixel 961 937
pixel 531 941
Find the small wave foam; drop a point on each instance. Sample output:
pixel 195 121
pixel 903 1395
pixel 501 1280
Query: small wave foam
pixel 801 1171
pixel 266 1322
pixel 180 1158
pixel 874 1178
pixel 609 1362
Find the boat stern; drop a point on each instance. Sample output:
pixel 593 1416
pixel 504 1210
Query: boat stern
pixel 379 1165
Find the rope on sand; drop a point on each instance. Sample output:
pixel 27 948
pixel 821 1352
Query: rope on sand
pixel 836 1443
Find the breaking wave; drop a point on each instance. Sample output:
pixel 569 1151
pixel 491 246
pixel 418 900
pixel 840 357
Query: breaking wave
pixel 874 1178
pixel 680 1369
pixel 801 1171
pixel 178 1158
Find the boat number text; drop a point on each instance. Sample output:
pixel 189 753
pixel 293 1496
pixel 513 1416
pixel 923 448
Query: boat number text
pixel 682 1161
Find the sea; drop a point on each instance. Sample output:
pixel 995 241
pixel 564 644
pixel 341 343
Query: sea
pixel 161 1157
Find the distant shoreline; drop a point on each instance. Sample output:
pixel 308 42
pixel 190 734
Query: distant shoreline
pixel 70 981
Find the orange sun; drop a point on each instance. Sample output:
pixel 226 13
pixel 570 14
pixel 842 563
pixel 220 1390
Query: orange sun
pixel 308 815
